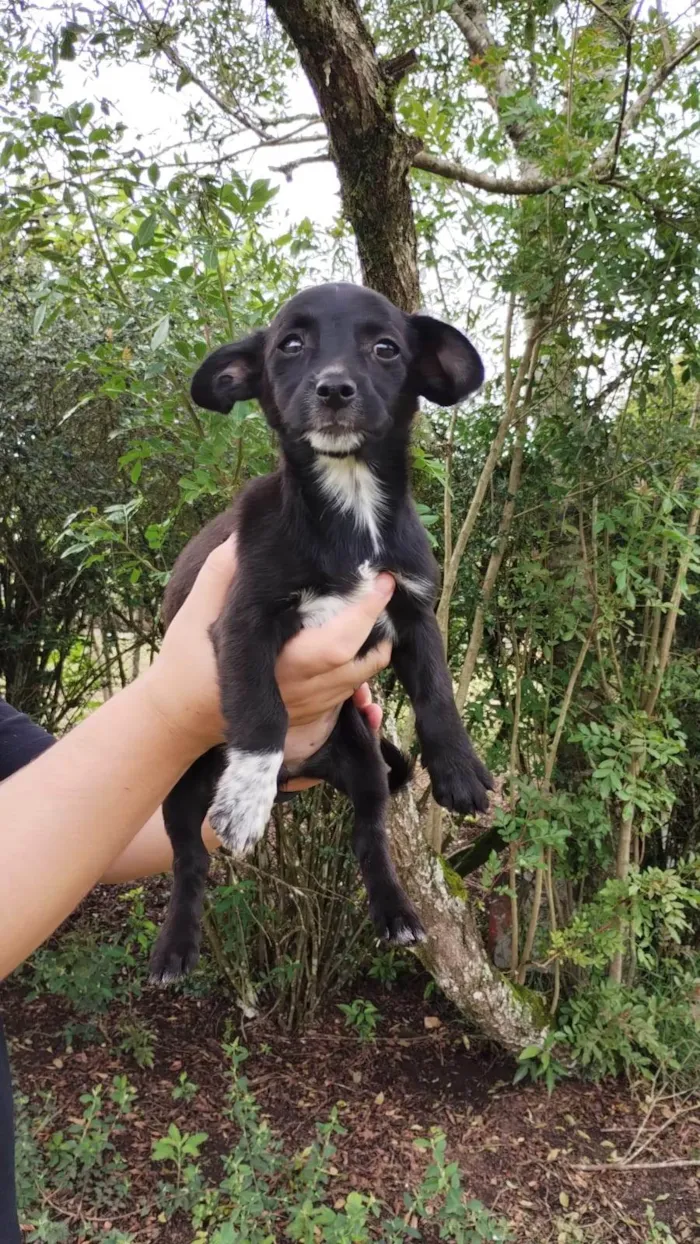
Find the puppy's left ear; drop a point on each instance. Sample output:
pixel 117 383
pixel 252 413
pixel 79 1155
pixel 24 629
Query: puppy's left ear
pixel 446 366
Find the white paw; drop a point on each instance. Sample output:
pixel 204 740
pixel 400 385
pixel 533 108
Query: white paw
pixel 244 798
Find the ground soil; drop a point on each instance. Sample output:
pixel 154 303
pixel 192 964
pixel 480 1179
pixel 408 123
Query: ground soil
pixel 521 1152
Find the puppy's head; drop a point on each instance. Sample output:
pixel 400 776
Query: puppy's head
pixel 340 366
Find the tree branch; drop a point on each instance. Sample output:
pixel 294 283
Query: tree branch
pixel 288 169
pixel 230 109
pixel 397 67
pixel 470 16
pixel 451 570
pixel 480 41
pixel 490 182
pixel 601 166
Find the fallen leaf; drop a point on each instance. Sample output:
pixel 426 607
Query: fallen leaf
pixel 431 1021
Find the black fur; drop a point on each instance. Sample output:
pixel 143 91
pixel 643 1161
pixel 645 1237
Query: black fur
pixel 338 361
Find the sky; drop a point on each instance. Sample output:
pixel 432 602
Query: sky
pixel 313 189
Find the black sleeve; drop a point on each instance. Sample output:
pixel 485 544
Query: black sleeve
pixel 9 1226
pixel 20 740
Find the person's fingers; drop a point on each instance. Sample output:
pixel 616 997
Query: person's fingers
pixel 371 712
pixel 371 663
pixel 318 650
pixel 206 600
pixel 300 783
pixel 362 697
pixel 373 716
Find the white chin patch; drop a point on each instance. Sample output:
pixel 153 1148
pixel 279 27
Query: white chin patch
pixel 334 442
pixel 244 798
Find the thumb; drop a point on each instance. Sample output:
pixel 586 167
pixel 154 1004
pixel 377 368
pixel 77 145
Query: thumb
pixel 206 600
pixel 340 639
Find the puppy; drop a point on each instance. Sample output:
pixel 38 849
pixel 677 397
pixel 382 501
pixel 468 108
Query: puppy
pixel 338 374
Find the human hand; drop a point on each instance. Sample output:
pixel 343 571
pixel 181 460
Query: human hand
pixel 316 671
pixel 183 679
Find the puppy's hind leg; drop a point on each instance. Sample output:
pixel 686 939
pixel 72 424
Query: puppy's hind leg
pixel 363 777
pixel 177 949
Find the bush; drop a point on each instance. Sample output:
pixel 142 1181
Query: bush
pixel 291 928
pixel 93 969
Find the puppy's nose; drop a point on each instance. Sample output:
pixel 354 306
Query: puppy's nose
pixel 335 389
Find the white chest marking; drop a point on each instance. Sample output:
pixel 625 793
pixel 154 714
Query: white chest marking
pixel 318 610
pixel 354 489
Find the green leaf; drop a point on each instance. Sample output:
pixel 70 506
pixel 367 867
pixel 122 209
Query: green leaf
pixel 39 317
pixel 145 232
pixel 161 333
pixel 530 1051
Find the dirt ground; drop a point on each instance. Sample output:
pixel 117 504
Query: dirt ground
pixel 521 1152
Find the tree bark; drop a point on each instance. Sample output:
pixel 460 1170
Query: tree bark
pixel 372 155
pixel 454 952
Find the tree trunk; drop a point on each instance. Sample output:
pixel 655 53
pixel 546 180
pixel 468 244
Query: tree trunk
pixel 355 94
pixel 454 953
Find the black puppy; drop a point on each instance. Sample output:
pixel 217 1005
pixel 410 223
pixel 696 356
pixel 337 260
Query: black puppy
pixel 338 374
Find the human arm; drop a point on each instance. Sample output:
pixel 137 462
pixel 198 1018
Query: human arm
pixel 68 815
pixel 150 852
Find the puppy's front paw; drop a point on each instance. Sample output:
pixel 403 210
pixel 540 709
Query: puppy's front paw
pixel 461 782
pixel 244 798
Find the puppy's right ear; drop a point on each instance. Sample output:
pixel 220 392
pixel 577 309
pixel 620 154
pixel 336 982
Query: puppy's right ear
pixel 231 374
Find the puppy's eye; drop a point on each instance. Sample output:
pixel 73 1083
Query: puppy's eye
pixel 386 349
pixel 292 344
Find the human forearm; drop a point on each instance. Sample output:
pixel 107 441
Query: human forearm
pixel 132 755
pixel 67 819
pixel 149 853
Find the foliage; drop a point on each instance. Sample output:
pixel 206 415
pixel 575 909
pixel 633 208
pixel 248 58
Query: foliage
pixel 644 1028
pixel 185 1089
pixel 264 1194
pixel 572 619
pixel 82 1160
pixel 362 1016
pixel 93 970
pixel 290 928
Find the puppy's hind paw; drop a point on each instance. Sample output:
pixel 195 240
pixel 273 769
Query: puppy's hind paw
pixel 174 955
pixel 397 922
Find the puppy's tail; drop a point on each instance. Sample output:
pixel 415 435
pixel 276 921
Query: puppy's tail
pixel 400 765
